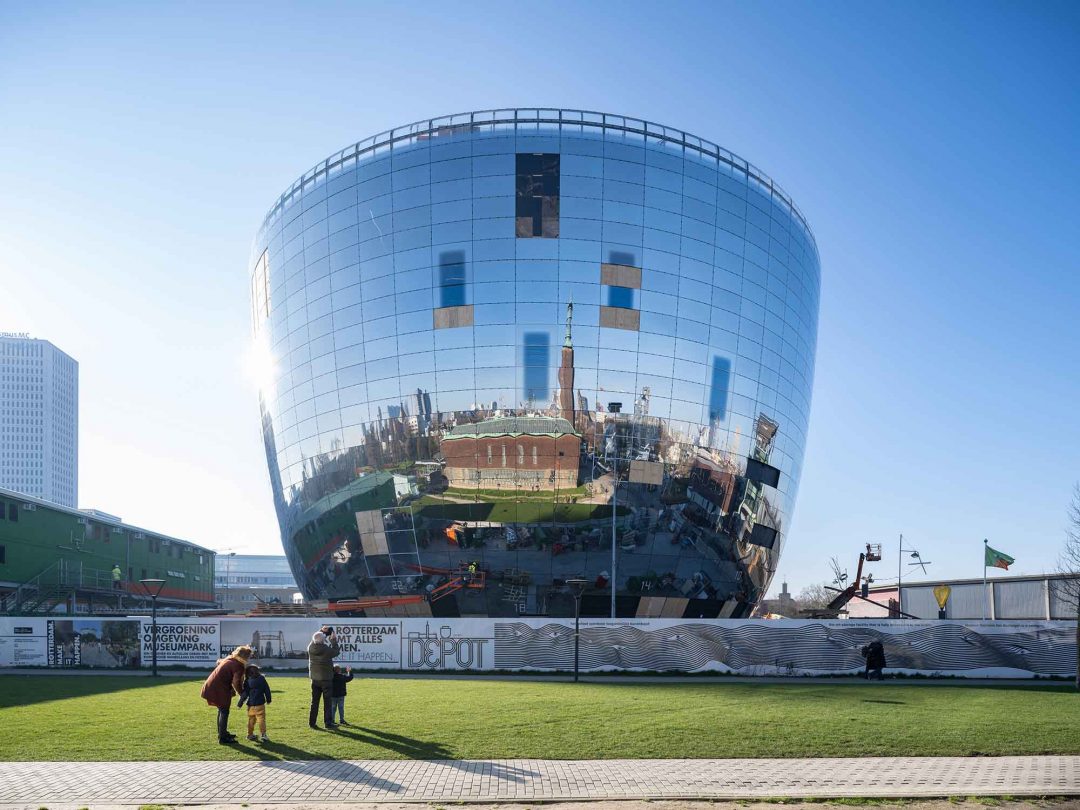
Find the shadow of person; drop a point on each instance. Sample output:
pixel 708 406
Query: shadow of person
pixel 504 773
pixel 336 769
pixel 421 750
pixel 273 751
pixel 406 746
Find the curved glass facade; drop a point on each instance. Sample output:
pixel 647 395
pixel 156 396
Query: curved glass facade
pixel 506 349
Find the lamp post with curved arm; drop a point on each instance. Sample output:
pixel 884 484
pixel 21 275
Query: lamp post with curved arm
pixel 153 590
pixel 577 588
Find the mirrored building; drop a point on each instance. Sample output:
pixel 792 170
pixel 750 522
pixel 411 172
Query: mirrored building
pixel 506 349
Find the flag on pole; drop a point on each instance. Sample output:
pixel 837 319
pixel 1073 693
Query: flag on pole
pixel 996 559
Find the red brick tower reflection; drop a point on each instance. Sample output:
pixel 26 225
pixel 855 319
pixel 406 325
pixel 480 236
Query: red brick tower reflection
pixel 566 371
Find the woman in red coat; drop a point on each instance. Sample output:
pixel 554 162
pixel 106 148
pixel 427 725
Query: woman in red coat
pixel 226 680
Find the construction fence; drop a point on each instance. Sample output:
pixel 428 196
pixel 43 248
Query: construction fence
pixel 738 646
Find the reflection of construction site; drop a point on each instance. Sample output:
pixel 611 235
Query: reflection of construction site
pixel 694 532
pixel 489 511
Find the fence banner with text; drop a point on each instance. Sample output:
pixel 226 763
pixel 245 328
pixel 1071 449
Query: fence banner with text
pixel 746 647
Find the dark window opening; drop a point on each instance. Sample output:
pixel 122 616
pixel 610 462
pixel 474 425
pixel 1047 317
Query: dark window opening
pixel 3 554
pixel 1 510
pixel 537 206
pixel 762 535
pixel 762 473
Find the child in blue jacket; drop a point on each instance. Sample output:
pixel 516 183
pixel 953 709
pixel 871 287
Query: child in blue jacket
pixel 256 694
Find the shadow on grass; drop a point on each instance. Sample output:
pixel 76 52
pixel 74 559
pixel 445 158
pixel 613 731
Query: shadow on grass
pixel 23 690
pixel 890 702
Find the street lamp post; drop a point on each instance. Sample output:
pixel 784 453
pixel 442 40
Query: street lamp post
pixel 153 590
pixel 614 514
pixel 228 578
pixel 577 587
pixel 900 572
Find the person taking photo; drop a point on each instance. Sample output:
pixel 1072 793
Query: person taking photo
pixel 321 653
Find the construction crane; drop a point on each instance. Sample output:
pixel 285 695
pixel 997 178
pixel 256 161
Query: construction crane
pixel 872 554
pixel 464 576
pixel 860 586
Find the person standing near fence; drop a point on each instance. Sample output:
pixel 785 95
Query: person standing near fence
pixel 321 653
pixel 874 653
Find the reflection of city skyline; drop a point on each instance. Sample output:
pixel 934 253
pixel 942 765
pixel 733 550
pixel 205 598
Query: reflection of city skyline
pixel 471 456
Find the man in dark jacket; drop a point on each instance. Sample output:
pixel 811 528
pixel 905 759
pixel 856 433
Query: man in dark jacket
pixel 874 653
pixel 321 653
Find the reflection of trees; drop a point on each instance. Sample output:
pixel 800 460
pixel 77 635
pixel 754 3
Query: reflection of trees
pixel 119 633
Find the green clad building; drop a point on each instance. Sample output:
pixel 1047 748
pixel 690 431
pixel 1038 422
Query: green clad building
pixel 56 559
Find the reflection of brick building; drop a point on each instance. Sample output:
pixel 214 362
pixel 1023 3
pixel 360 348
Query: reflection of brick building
pixel 712 489
pixel 522 452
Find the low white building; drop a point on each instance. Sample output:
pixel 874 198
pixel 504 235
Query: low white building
pixel 1003 597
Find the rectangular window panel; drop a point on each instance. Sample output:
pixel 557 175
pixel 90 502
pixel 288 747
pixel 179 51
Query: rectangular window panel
pixel 452 317
pixel 647 472
pixel 260 293
pixel 622 297
pixel 719 386
pixel 537 201
pixel 619 275
pixel 452 278
pixel 536 360
pixel 620 318
pixel 762 473
pixel 763 535
pixel 372 532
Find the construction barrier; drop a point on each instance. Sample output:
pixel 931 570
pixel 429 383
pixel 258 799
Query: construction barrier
pixel 1014 649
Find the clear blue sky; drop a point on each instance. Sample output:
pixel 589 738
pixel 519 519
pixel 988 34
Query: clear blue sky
pixel 931 145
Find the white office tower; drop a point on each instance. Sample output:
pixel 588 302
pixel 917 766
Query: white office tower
pixel 39 419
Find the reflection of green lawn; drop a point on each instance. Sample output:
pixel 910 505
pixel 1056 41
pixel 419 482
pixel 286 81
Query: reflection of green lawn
pixel 514 494
pixel 514 512
pixel 57 718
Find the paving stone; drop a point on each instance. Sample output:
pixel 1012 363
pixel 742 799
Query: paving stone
pixel 333 781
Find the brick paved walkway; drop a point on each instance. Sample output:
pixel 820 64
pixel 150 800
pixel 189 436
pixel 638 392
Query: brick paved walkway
pixel 333 781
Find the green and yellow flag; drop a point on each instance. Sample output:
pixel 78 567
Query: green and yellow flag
pixel 996 559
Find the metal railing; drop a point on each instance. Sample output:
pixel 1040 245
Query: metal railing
pixel 33 586
pixel 540 120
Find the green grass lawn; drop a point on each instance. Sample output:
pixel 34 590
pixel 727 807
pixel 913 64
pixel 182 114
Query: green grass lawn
pixel 537 511
pixel 124 718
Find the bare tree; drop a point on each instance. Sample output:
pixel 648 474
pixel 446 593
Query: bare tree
pixel 813 597
pixel 1069 563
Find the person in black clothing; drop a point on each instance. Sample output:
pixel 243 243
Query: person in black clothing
pixel 257 695
pixel 874 653
pixel 340 690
